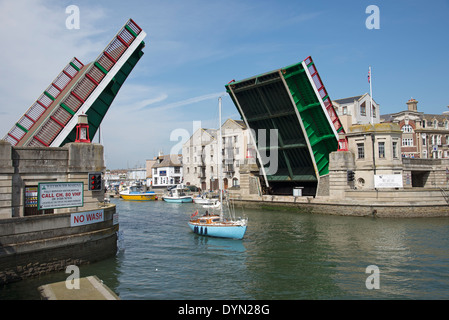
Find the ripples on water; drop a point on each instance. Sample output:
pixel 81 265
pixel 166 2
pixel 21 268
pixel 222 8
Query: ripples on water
pixel 284 255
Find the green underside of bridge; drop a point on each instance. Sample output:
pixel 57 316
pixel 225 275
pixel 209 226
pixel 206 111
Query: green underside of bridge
pixel 100 107
pixel 318 129
pixel 266 103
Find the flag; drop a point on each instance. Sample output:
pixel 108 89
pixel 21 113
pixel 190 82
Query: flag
pixel 369 75
pixel 196 212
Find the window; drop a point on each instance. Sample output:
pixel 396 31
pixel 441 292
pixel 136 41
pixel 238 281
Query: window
pixel 435 124
pixel 374 111
pixel 424 140
pixel 407 128
pixel 381 147
pixel 395 149
pixel 363 109
pixel 407 142
pixel 177 169
pixel 360 151
pixel 345 110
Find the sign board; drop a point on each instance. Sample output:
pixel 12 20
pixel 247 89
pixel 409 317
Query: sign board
pixel 53 195
pixel 388 181
pixel 89 217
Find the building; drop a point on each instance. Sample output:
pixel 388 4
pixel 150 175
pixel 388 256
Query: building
pixel 200 152
pixel 356 110
pixel 423 135
pixel 167 170
pixel 149 170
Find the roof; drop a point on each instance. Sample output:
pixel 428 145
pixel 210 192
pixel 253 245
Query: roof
pixel 169 160
pixel 241 123
pixel 426 116
pixel 348 100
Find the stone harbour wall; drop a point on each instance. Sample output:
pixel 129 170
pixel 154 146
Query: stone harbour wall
pixel 36 245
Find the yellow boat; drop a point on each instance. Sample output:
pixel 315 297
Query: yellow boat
pixel 134 193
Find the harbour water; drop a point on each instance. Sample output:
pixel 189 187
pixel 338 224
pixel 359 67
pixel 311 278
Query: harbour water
pixel 284 255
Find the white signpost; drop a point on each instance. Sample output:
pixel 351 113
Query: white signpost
pixel 53 195
pixel 388 181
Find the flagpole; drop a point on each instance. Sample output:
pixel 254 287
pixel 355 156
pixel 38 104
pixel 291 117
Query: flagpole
pixel 371 95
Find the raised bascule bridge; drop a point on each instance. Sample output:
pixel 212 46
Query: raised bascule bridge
pixel 80 89
pixel 293 101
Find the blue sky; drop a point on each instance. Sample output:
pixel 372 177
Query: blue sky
pixel 193 48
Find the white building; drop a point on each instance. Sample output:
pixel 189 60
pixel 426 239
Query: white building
pixel 200 154
pixel 356 110
pixel 167 170
pixel 136 174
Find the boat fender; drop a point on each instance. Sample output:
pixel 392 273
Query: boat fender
pixel 205 230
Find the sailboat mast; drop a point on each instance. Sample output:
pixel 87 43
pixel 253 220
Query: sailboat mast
pixel 220 165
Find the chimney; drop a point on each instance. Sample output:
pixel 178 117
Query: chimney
pixel 412 105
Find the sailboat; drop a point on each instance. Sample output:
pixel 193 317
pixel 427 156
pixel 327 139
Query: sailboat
pixel 216 225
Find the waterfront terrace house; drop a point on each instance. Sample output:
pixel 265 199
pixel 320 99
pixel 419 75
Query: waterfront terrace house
pixel 423 135
pixel 167 170
pixel 200 152
pixel 356 110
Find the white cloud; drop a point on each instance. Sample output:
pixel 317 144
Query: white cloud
pixel 188 101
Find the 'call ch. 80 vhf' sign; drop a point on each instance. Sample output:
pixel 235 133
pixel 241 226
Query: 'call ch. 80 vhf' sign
pixel 53 195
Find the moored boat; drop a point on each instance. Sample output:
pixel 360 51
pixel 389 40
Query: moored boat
pixel 177 195
pixel 135 193
pixel 203 199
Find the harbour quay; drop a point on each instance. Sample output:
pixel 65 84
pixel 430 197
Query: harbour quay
pixel 47 234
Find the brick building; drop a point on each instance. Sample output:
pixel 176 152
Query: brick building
pixel 423 135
